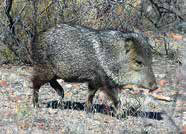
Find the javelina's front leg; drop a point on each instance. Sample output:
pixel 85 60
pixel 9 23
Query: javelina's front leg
pixel 111 90
pixel 93 87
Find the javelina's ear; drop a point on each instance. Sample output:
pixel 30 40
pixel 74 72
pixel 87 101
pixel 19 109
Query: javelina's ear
pixel 128 44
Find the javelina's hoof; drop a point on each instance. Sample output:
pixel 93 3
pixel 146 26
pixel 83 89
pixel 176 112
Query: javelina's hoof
pixel 118 111
pixel 88 107
pixel 119 114
pixel 35 102
pixel 36 105
pixel 56 104
pixel 60 103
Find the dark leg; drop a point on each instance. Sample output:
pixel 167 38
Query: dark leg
pixel 35 97
pixel 112 93
pixel 91 93
pixel 37 83
pixel 42 73
pixel 111 90
pixel 109 87
pixel 57 87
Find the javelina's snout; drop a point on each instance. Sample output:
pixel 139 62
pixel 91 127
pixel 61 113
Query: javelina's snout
pixel 149 80
pixel 141 79
pixel 152 85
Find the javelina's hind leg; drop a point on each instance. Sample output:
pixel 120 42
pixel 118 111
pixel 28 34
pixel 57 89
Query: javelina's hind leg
pixel 37 83
pixel 57 87
pixel 35 97
pixel 93 87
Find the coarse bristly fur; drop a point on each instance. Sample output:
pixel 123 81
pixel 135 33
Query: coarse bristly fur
pixel 105 59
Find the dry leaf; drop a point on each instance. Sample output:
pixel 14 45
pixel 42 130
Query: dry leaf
pixel 176 37
pixel 76 85
pixel 162 83
pixel 24 125
pixel 148 92
pixel 68 94
pixel 184 129
pixel 41 125
pixel 3 83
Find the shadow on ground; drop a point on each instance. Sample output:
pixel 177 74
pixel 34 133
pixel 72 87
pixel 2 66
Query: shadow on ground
pixel 107 110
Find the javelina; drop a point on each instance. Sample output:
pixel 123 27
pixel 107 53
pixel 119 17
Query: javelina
pixel 104 59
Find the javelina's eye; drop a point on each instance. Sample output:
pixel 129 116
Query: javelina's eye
pixel 139 62
pixel 127 51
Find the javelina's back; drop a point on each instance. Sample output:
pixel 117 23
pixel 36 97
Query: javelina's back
pixel 70 52
pixel 73 52
pixel 76 52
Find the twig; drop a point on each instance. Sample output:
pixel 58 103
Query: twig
pixel 8 7
pixel 147 92
pixel 50 4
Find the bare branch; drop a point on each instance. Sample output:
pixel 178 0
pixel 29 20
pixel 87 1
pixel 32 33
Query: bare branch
pixel 49 5
pixel 8 7
pixel 32 47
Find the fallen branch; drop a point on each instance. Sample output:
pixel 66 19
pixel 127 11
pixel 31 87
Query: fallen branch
pixel 147 92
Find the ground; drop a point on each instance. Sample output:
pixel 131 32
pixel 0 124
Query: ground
pixel 142 114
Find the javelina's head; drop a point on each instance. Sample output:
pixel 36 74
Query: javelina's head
pixel 139 70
